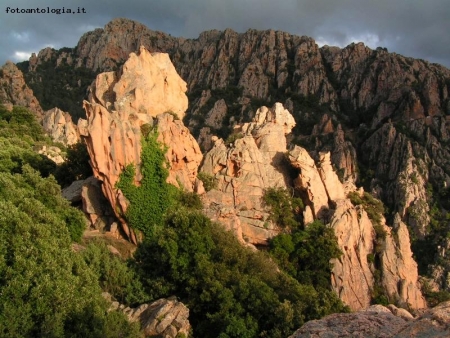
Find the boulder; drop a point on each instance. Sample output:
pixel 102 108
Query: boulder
pixel 378 321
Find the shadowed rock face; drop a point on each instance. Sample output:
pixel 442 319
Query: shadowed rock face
pixel 116 111
pixel 14 90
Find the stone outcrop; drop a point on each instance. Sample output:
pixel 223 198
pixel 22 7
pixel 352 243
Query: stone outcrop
pixel 72 193
pixel 183 153
pixel 244 169
pixel 119 105
pixel 14 90
pixel 378 321
pixel 95 205
pixel 353 276
pixel 399 270
pixel 59 126
pixel 167 318
pixel 53 153
pixel 309 181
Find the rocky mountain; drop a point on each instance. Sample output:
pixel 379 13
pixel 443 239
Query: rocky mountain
pixel 14 90
pixel 383 117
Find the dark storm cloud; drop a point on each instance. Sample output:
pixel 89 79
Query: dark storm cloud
pixel 409 27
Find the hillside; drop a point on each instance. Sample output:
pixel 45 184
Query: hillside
pixel 346 118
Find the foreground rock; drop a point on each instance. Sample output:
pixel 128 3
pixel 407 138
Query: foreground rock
pixel 378 321
pixel 167 318
pixel 120 104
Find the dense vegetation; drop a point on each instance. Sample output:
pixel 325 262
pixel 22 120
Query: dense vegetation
pixel 230 290
pixel 76 165
pixel 45 289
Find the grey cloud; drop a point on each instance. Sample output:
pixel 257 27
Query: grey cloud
pixel 410 27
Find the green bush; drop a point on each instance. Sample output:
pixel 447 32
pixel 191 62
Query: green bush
pixel 76 165
pixel 45 289
pixel 373 206
pixel 190 200
pixel 150 201
pixel 113 274
pixel 29 186
pixel 209 181
pixel 230 290
pixel 306 253
pixel 233 137
pixel 285 210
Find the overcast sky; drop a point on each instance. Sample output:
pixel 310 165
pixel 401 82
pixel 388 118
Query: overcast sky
pixel 414 28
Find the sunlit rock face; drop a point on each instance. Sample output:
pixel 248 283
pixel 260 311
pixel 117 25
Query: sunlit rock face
pixel 244 169
pixel 59 126
pixel 147 90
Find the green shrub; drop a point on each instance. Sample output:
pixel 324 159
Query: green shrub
pixel 209 181
pixel 189 200
pixel 150 201
pixel 175 115
pixel 373 206
pixel 285 210
pixel 76 165
pixel 306 253
pixel 233 137
pixel 21 189
pixel 45 289
pixel 230 290
pixel 113 274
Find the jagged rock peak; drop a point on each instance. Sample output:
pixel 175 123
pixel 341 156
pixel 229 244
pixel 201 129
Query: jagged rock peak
pixel 147 84
pixel 246 167
pixel 14 90
pixel 276 115
pixel 119 104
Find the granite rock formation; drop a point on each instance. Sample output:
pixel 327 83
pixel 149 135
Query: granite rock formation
pixel 116 111
pixel 167 318
pixel 378 321
pixel 59 126
pixel 353 276
pixel 14 90
pixel 244 169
